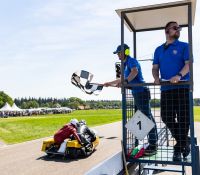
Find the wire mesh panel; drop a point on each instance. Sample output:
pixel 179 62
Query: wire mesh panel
pixel 168 111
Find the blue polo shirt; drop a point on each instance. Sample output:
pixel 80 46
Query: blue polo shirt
pixel 129 64
pixel 171 60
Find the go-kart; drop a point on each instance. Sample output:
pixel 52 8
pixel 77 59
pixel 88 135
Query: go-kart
pixel 72 148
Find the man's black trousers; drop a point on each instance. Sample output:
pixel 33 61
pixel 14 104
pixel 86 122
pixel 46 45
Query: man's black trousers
pixel 175 114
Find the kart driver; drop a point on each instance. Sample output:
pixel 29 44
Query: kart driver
pixel 66 131
pixel 83 131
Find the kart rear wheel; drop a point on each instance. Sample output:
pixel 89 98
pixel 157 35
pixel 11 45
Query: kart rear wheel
pixel 73 153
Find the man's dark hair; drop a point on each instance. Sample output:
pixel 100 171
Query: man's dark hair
pixel 169 23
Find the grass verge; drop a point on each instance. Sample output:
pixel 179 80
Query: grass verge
pixel 20 129
pixel 197 113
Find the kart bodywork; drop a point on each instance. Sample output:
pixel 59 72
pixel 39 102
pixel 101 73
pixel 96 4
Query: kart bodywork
pixel 73 148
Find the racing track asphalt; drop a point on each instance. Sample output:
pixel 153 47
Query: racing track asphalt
pixel 28 159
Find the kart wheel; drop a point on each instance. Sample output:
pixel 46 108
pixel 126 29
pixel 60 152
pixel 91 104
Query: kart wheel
pixel 83 152
pixel 89 153
pixel 73 153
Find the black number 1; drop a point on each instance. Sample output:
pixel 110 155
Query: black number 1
pixel 140 126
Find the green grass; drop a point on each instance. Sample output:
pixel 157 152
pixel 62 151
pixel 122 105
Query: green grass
pixel 197 113
pixel 20 129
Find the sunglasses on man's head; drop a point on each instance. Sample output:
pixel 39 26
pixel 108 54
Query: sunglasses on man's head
pixel 175 28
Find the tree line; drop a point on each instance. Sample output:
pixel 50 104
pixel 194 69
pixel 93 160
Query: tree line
pixel 72 102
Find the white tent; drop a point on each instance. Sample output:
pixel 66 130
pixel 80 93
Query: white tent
pixel 16 108
pixel 6 107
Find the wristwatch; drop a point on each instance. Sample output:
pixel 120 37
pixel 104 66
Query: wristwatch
pixel 179 74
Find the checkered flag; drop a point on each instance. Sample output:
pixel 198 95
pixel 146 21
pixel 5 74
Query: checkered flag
pixel 82 79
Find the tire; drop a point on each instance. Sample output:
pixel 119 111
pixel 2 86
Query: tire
pixel 89 153
pixel 83 152
pixel 73 153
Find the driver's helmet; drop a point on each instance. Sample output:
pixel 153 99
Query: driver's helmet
pixel 83 122
pixel 74 122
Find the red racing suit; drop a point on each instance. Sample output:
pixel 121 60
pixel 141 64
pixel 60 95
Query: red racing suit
pixel 65 133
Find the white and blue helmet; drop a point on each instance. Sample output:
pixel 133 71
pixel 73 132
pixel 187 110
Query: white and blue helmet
pixel 74 121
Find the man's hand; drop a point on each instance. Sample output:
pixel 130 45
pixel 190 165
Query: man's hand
pixel 175 79
pixel 157 81
pixel 82 144
pixel 119 85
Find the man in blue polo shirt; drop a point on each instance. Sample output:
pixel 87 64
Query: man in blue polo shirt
pixel 133 75
pixel 171 59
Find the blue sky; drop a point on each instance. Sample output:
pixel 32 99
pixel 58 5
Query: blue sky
pixel 44 42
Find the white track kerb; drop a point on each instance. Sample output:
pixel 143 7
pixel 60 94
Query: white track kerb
pixel 111 166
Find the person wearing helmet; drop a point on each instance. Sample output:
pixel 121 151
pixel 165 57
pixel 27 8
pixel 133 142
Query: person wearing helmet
pixel 66 131
pixel 141 94
pixel 84 131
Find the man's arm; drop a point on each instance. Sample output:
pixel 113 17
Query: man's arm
pixel 185 69
pixel 76 136
pixel 113 83
pixel 133 74
pixel 155 73
pixel 183 72
pixel 117 82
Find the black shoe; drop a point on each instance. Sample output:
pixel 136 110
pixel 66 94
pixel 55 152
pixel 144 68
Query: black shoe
pixel 186 150
pixel 177 156
pixel 151 150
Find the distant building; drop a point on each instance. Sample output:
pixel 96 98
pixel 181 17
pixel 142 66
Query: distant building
pixel 81 107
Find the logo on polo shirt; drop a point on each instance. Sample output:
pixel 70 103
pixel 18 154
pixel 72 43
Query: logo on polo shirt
pixel 175 52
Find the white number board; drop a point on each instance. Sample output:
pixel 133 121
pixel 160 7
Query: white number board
pixel 139 125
